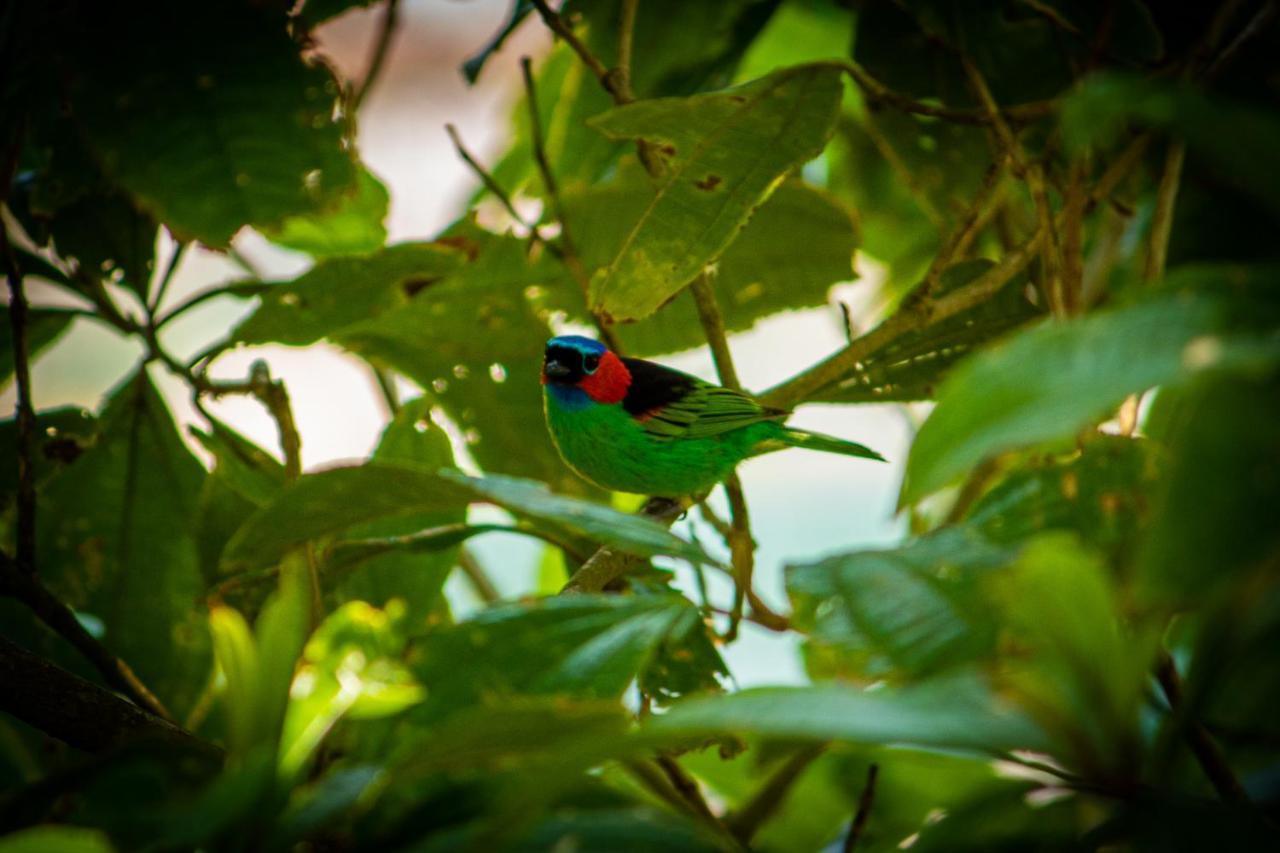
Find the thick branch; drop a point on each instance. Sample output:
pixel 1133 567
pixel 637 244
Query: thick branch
pixel 58 617
pixel 78 712
pixel 907 319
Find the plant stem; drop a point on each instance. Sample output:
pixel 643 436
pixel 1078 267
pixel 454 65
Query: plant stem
pixel 477 577
pixel 386 383
pixel 626 36
pixel 556 23
pixel 25 415
pixel 166 278
pixel 1202 744
pixel 390 22
pixel 1162 219
pixel 607 565
pixel 772 794
pixel 865 802
pixel 878 93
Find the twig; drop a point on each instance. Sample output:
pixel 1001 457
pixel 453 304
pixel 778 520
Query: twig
pixel 1162 219
pixel 1202 744
pixel 704 296
pixel 270 392
pixel 626 36
pixel 865 802
pixel 241 289
pixel 900 167
pixel 166 278
pixel 686 787
pixel 477 577
pixel 490 183
pixel 390 22
pixel 1077 197
pixel 966 229
pixel 908 319
pixel 386 383
pixel 974 485
pixel 26 415
pixel 557 25
pixel 569 252
pixel 607 564
pixel 24 587
pixel 877 92
pixel 747 821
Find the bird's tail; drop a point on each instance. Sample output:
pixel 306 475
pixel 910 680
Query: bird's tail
pixel 795 437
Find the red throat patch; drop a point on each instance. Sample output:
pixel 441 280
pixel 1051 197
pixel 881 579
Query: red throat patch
pixel 610 382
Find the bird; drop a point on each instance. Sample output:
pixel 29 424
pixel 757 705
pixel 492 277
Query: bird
pixel 630 425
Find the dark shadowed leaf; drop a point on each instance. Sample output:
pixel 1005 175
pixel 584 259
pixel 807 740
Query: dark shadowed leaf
pixel 353 227
pixel 62 435
pixel 44 327
pixel 710 187
pixel 180 125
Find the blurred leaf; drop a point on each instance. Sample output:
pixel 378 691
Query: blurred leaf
pixel 116 541
pixel 62 435
pixel 332 797
pixel 957 712
pixel 1106 104
pixel 340 292
pixel 56 839
pixel 709 188
pixel 415 570
pixel 253 473
pixel 794 248
pixel 1050 381
pixel 1083 672
pixel 315 12
pixel 912 366
pixel 44 327
pixel 353 227
pixel 1214 526
pixel 622 831
pixel 587 646
pixel 351 668
pixel 180 124
pixel 797 33
pixel 905 612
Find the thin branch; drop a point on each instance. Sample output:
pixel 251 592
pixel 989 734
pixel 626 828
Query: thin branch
pixel 386 382
pixel 240 289
pixel 607 564
pixel 971 222
pixel 704 297
pixel 1074 203
pixel 490 183
pixel 166 278
pixel 772 794
pixel 477 577
pixel 687 787
pixel 1162 219
pixel 569 252
pixel 878 93
pixel 900 167
pixel 390 22
pixel 557 24
pixel 865 802
pixel 26 588
pixel 79 712
pixel 1202 744
pixel 26 415
pixel 908 319
pixel 626 36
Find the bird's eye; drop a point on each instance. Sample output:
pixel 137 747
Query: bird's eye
pixel 590 363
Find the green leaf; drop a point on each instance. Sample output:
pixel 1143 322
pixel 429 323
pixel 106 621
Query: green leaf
pixel 253 473
pixel 62 435
pixel 1106 104
pixel 1050 381
pixel 953 713
pixel 340 292
pixel 353 227
pixel 632 533
pixel 795 247
pixel 905 612
pixel 181 124
pixel 912 366
pixel 44 327
pixel 116 542
pixel 710 186
pixel 56 839
pixel 586 646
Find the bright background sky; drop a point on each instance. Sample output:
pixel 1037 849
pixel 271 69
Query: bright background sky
pixel 803 505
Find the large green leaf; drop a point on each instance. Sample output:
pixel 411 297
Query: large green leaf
pixel 183 123
pixel 336 500
pixel 340 292
pixel 116 542
pixel 587 646
pixel 795 247
pixel 913 366
pixel 953 713
pixel 724 153
pixel 62 434
pixel 43 329
pixel 907 612
pixel 1050 381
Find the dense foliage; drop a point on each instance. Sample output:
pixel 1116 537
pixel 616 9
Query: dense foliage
pixel 1074 203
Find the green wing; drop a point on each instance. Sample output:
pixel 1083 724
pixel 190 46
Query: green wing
pixel 706 410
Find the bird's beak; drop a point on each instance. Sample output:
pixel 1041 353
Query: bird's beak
pixel 555 370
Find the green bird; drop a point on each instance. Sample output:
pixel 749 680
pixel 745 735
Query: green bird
pixel 634 426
